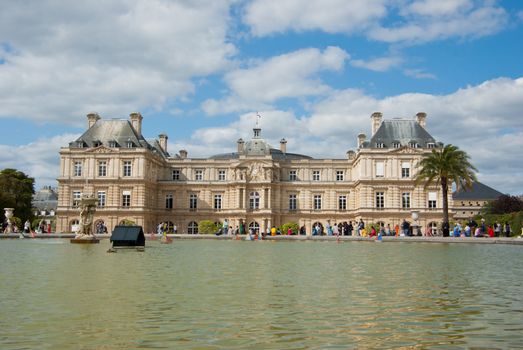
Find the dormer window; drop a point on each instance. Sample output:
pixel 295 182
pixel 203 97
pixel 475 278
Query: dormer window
pixel 97 143
pixel 396 144
pixel 129 144
pixel 413 144
pixel 380 145
pixel 80 144
pixel 113 144
pixel 431 145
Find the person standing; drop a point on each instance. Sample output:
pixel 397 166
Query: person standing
pixel 497 229
pixel 507 229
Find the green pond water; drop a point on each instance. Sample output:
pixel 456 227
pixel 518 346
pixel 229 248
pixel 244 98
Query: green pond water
pixel 207 294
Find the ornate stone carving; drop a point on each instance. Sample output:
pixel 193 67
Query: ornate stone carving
pixel 87 209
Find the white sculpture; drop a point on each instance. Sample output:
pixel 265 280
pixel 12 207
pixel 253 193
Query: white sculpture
pixel 8 216
pixel 87 209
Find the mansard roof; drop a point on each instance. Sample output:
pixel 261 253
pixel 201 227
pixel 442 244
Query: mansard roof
pixel 404 131
pixel 118 131
pixel 478 191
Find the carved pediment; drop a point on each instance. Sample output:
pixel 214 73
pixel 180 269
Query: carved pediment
pixel 406 150
pixel 255 171
pixel 101 149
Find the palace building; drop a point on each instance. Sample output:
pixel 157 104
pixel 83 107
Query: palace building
pixel 137 179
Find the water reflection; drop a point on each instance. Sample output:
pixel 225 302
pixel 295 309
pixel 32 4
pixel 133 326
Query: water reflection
pixel 259 295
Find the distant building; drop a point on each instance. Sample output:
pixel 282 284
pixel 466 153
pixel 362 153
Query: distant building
pixel 256 185
pixel 45 202
pixel 469 202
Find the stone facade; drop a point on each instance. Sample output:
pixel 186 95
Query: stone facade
pixel 138 180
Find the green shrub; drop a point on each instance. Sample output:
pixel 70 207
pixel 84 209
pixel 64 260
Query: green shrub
pixel 208 227
pixel 127 222
pixel 292 225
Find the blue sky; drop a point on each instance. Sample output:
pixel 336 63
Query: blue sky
pixel 315 70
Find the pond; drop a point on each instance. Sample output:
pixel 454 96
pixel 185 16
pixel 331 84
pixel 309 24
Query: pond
pixel 209 294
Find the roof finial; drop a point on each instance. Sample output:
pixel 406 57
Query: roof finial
pixel 258 117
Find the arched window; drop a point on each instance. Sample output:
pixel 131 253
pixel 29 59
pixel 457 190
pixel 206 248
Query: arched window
pixel 317 228
pixel 192 229
pixel 74 225
pixel 254 200
pixel 255 226
pixel 433 227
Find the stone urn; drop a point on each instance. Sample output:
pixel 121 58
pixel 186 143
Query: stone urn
pixel 8 215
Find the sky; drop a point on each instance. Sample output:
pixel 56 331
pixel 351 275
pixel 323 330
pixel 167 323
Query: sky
pixel 315 70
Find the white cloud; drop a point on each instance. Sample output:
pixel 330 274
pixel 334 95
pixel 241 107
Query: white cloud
pixel 434 20
pixel 332 16
pixel 38 159
pixel 290 75
pixel 418 74
pixel 64 59
pixel 380 64
pixel 412 21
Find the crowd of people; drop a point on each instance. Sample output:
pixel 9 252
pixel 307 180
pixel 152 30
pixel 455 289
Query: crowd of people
pixel 473 229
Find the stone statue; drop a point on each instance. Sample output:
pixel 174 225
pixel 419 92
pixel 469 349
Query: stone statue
pixel 87 209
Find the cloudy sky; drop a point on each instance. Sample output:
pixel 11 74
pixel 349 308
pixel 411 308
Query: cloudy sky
pixel 315 70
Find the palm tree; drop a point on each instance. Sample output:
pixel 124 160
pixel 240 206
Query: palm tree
pixel 445 166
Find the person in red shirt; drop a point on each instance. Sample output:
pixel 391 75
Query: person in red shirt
pixel 490 231
pixel 372 232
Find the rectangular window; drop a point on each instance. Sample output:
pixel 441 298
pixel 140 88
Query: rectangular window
pixel 292 175
pixel 127 168
pixel 101 199
pixel 217 202
pixel 342 202
pixel 432 200
pixel 221 175
pixel 77 169
pixel 77 195
pixel 340 175
pixel 126 198
pixel 405 169
pixel 293 202
pixel 380 200
pixel 317 202
pixel 380 169
pixel 169 201
pixel 198 175
pixel 193 202
pixel 315 175
pixel 176 174
pixel 102 168
pixel 405 200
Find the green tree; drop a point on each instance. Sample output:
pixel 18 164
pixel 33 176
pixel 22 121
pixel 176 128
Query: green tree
pixel 292 225
pixel 208 227
pixel 445 166
pixel 16 191
pixel 504 204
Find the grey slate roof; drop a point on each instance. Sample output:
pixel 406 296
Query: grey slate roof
pixel 275 153
pixel 115 130
pixel 45 199
pixel 400 130
pixel 478 191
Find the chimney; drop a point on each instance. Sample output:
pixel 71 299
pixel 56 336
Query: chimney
pixel 163 141
pixel 183 154
pixel 92 118
pixel 136 122
pixel 241 143
pixel 376 121
pixel 361 139
pixel 283 146
pixel 421 118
